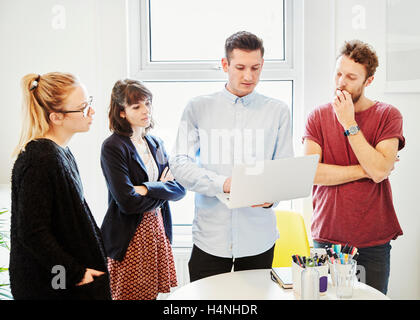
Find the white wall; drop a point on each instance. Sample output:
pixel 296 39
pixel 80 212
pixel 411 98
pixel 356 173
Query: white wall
pixel 84 37
pixel 93 46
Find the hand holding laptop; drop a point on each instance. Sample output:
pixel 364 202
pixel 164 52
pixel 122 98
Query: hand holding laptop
pixel 269 181
pixel 227 184
pixel 264 205
pixel 226 189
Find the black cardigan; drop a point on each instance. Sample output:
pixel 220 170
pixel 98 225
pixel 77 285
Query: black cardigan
pixel 123 169
pixel 51 225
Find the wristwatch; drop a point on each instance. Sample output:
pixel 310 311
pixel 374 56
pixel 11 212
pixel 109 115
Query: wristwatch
pixel 351 131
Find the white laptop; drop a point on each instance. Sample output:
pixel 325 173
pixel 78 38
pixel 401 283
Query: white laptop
pixel 270 181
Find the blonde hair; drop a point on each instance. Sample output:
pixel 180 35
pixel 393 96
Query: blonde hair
pixel 42 94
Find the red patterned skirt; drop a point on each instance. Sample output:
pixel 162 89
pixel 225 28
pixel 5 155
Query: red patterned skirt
pixel 148 266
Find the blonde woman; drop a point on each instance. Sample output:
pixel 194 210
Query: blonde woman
pixel 56 247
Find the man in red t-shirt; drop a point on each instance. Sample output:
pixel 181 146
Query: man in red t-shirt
pixel 357 140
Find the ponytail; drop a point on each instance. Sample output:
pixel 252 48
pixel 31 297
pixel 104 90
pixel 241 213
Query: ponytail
pixel 41 96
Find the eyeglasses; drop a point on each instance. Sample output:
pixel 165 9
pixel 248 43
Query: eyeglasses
pixel 85 108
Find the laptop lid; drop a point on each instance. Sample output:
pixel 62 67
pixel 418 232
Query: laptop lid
pixel 272 180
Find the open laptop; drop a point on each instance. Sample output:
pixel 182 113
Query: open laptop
pixel 270 181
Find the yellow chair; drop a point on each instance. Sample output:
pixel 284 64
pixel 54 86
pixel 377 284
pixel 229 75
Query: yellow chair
pixel 293 238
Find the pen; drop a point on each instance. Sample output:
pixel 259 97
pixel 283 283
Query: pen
pixel 330 256
pixel 301 261
pixel 336 257
pixel 297 261
pixel 356 256
pixel 338 248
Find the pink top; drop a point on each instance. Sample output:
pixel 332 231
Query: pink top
pixel 360 213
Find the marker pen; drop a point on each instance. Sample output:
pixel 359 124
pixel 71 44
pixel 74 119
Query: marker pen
pixel 301 262
pixel 330 256
pixel 338 248
pixel 336 256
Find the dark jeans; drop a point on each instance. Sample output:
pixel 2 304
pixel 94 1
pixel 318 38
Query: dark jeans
pixel 202 264
pixel 376 262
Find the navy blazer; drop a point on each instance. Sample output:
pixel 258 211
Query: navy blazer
pixel 123 169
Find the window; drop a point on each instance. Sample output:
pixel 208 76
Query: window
pixel 175 47
pixel 169 44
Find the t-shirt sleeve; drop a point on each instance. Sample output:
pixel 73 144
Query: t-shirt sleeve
pixel 313 129
pixel 393 128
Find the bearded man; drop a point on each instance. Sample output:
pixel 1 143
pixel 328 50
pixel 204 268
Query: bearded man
pixel 357 140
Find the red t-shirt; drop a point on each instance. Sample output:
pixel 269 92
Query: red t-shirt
pixel 360 213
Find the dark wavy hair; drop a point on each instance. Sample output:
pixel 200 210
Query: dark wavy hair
pixel 245 41
pixel 125 93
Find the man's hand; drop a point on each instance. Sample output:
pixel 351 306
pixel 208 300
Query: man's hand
pixel 226 185
pixel 264 205
pixel 344 109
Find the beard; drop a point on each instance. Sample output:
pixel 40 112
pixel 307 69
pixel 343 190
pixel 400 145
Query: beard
pixel 355 95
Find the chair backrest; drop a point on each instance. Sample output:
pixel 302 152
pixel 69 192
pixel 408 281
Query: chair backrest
pixel 293 238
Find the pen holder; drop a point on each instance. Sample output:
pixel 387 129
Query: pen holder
pixel 345 277
pixel 296 276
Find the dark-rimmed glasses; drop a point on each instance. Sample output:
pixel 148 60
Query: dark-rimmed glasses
pixel 84 108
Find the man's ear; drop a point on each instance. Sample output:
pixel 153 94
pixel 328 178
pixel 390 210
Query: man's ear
pixel 369 81
pixel 225 64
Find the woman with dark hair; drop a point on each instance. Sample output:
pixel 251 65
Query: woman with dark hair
pixel 137 228
pixel 56 247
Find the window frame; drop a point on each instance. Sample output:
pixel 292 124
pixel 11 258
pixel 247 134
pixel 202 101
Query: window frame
pixel 140 66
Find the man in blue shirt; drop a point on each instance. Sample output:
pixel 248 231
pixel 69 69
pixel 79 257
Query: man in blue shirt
pixel 217 131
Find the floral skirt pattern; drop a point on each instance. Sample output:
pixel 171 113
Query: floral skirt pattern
pixel 148 267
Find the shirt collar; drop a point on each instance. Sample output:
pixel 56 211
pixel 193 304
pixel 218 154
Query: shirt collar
pixel 246 100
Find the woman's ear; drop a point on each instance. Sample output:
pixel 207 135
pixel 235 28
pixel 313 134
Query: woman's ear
pixel 122 114
pixel 56 118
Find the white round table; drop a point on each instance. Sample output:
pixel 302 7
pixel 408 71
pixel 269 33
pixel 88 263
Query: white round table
pixel 257 285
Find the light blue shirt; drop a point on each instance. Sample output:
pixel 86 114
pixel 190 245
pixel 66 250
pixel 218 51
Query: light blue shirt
pixel 217 131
